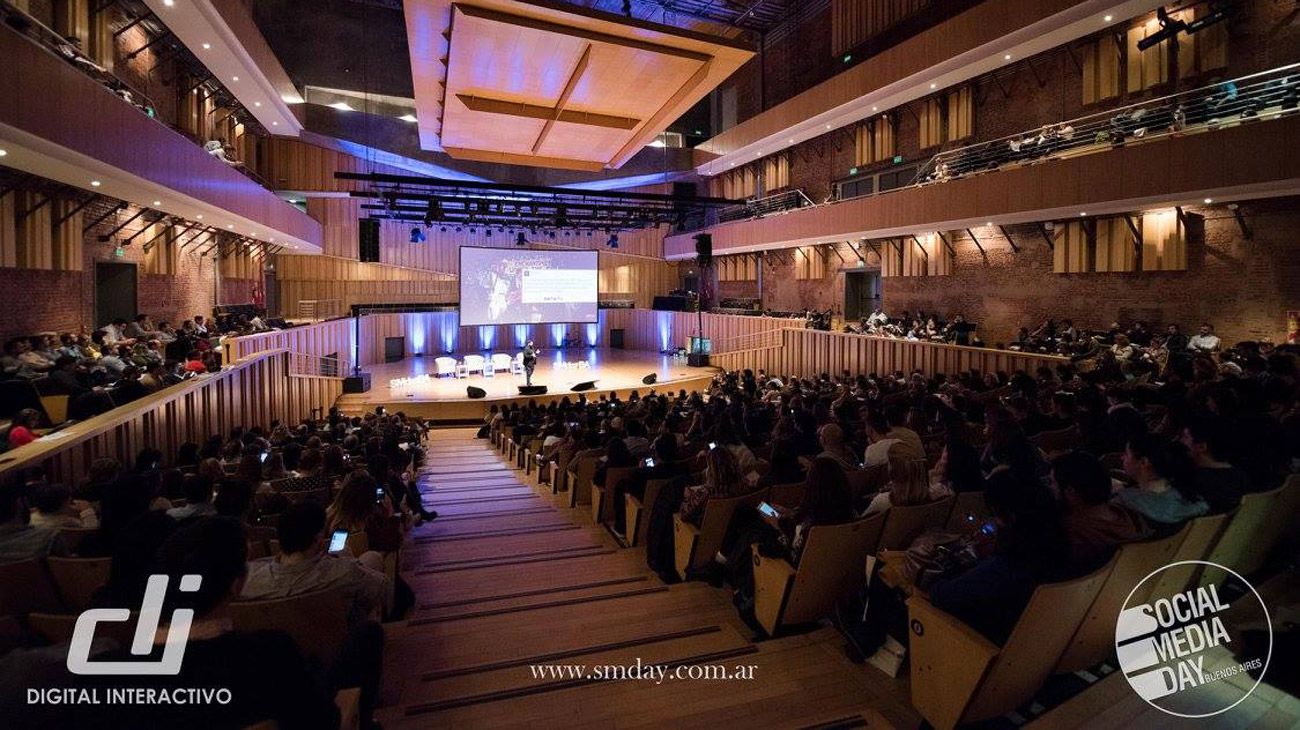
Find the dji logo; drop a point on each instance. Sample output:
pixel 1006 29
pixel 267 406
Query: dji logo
pixel 150 612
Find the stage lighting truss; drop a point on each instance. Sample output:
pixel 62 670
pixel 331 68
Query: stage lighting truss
pixel 437 202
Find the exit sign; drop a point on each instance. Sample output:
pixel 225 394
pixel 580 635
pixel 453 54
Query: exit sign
pixel 898 159
pixel 853 170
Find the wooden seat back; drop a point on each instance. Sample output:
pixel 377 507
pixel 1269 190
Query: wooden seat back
pixel 865 483
pixel 602 498
pixel 1056 442
pixel 1199 538
pixel 830 566
pixel 904 523
pixel 712 528
pixel 636 516
pixel 789 496
pixel 1280 522
pixel 56 408
pixel 1094 641
pixel 317 621
pixel 72 537
pixel 77 579
pixel 1247 529
pixel 26 587
pixel 969 512
pixel 580 474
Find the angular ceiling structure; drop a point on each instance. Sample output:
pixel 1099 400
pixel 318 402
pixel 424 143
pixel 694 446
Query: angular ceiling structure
pixel 556 86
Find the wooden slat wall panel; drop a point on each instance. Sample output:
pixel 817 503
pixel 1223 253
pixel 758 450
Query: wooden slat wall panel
pixel 807 353
pixel 253 391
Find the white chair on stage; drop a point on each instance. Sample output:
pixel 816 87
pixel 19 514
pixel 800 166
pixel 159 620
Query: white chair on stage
pixel 444 366
pixel 517 365
pixel 501 361
pixel 474 364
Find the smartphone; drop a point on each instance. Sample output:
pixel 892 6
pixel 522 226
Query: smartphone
pixel 338 541
pixel 264 455
pixel 649 461
pixel 379 495
pixel 989 529
pixel 767 509
pixel 713 445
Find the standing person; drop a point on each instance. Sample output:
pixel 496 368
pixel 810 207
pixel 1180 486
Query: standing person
pixel 530 362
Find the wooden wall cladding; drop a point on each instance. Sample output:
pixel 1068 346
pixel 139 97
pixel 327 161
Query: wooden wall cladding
pixel 252 391
pixel 807 353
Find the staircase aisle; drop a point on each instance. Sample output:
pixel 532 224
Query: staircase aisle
pixel 508 578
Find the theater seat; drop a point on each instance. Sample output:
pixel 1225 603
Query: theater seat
pixel 317 621
pixel 694 547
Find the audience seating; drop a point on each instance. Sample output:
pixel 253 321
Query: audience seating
pixel 1281 517
pixel 77 579
pixel 903 523
pixel 789 496
pixel 38 594
pixel 580 474
pixel 317 621
pixel 72 537
pixel 829 568
pixel 1199 537
pixel 866 482
pixel 694 547
pixel 959 676
pixel 602 498
pixel 1094 641
pixel 1248 526
pixel 1057 442
pixel 637 509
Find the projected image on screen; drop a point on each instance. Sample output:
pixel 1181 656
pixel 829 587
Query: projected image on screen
pixel 503 286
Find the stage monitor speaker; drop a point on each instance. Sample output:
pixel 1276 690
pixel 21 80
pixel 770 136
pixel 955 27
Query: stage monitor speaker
pixel 368 244
pixel 584 385
pixel 698 359
pixel 532 390
pixel 649 379
pixel 359 383
pixel 704 248
pixel 473 392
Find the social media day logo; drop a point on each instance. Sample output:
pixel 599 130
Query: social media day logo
pixel 1184 648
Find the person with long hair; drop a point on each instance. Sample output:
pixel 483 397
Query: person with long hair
pixel 722 478
pixel 356 510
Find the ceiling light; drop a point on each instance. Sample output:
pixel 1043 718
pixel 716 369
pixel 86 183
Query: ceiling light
pixel 1108 18
pixel 874 108
pixel 342 106
pixel 408 118
pixel 199 217
pixel 988 224
pixel 792 140
pixel 3 153
pixel 257 103
pixel 933 86
pixel 207 46
pixel 169 3
pixel 234 78
pixel 1082 214
pixel 157 202
pixel 230 225
pixel 1209 200
pixel 95 183
pixel 275 124
pixel 1006 57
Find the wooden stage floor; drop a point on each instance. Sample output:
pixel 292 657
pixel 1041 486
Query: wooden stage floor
pixel 445 398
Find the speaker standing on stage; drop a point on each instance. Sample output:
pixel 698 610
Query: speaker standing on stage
pixel 530 362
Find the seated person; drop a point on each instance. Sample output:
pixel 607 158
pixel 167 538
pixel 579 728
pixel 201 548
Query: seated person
pixel 1164 491
pixel 21 430
pixel 355 510
pixel 667 465
pixel 303 566
pixel 197 489
pixel 266 674
pixel 831 438
pixel 19 539
pixel 1220 483
pixel 1094 526
pixel 1029 548
pixel 722 478
pixel 55 508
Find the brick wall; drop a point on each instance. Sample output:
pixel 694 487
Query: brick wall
pixel 1244 287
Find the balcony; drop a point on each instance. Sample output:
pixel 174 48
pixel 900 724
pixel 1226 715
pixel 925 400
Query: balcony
pixel 61 124
pixel 1161 152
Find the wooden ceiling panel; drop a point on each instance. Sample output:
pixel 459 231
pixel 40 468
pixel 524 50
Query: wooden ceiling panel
pixel 553 86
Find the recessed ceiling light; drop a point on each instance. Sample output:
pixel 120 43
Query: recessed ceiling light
pixel 3 153
pixel 257 103
pixel 230 225
pixel 1006 57
pixel 988 223
pixel 828 126
pixel 157 202
pixel 932 86
pixel 169 3
pixel 207 46
pixel 792 140
pixel 1209 200
pixel 199 217
pixel 408 118
pixel 874 108
pixel 1082 214
pixel 1108 18
pixel 275 124
pixel 342 106
pixel 95 183
pixel 234 78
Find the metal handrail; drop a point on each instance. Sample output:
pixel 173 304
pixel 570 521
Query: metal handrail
pixel 775 203
pixel 316 366
pixel 1264 95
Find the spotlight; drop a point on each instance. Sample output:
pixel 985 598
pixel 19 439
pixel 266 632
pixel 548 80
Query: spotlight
pixel 613 240
pixel 520 240
pixel 417 235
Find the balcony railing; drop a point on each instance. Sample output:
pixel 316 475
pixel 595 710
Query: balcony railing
pixel 759 207
pixel 1266 95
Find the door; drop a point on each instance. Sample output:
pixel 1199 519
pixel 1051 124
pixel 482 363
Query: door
pixel 861 294
pixel 115 286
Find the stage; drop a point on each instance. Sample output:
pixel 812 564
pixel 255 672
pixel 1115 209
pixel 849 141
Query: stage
pixel 410 385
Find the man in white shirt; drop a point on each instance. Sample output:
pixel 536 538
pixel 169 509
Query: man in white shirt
pixel 115 333
pixel 1205 340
